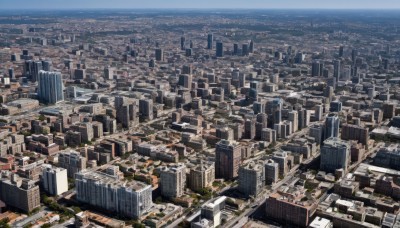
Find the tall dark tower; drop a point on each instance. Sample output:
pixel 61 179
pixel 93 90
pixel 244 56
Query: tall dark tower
pixel 341 51
pixel 251 46
pixel 210 41
pixel 220 49
pixel 183 40
pixel 235 49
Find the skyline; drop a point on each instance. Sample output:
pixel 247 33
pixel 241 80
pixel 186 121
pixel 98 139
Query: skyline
pixel 205 4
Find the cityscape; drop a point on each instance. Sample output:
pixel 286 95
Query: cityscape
pixel 199 117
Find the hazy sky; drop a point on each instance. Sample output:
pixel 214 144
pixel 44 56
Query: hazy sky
pixel 297 4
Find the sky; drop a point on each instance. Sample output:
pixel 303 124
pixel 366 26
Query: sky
pixel 253 4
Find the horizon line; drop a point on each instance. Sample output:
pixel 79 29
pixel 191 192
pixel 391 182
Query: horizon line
pixel 188 8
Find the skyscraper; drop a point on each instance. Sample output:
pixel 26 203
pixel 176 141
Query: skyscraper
pixel 336 70
pixel 220 49
pixel 159 54
pixel 251 46
pixel 251 178
pixel 183 40
pixel 331 126
pixel 50 87
pixel 210 40
pixel 54 180
pixel 227 159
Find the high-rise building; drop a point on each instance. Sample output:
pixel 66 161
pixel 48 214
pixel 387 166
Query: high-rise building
pixel 331 129
pixel 271 172
pixel 72 161
pixel 245 49
pixel 335 106
pixel 251 178
pixel 281 157
pixel 315 69
pixel 183 40
pixel 227 159
pixel 211 213
pixel 336 69
pixel 219 52
pixel 341 51
pixel 146 109
pixel 335 154
pixel 173 180
pixel 50 87
pixel 210 41
pixel 109 73
pixel 201 176
pixel 128 198
pixel 388 157
pixel 11 73
pixel 159 54
pixel 249 129
pixel 185 80
pixel 317 132
pixel 294 118
pixel 54 180
pixel 235 49
pixel 304 118
pixel 20 193
pixel 319 111
pixel 251 46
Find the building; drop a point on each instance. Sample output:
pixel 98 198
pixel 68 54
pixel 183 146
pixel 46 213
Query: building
pixel 335 154
pixel 317 132
pixel 50 87
pixel 281 157
pixel 336 69
pixel 20 193
pixel 201 176
pixel 331 128
pixel 355 132
pixel 388 157
pixel 173 180
pixel 251 178
pixel 212 212
pixel 185 80
pixel 210 41
pixel 294 118
pixel 146 109
pixel 271 172
pixel 289 209
pixel 335 106
pixel 227 159
pixel 128 198
pixel 304 118
pixel 54 180
pixel 159 53
pixel 72 161
pixel 219 52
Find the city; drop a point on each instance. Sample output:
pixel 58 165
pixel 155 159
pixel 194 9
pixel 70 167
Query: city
pixel 199 118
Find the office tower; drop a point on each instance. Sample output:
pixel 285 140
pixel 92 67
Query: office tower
pixel 210 41
pixel 146 109
pixel 201 176
pixel 281 157
pixel 79 74
pixel 37 67
pixel 235 49
pixel 227 159
pixel 294 118
pixel 159 54
pixel 20 193
pixel 304 118
pixel 249 129
pixel 50 87
pixel 341 51
pixel 219 52
pixel 126 111
pixel 109 73
pixel 335 154
pixel 245 49
pixel 128 198
pixel 331 128
pixel 315 69
pixel 354 132
pixel 152 63
pixel 335 106
pixel 328 92
pixel 86 130
pixel 251 46
pixel 54 180
pixel 271 172
pixel 11 73
pixel 336 69
pixel 251 179
pixel 183 40
pixel 319 111
pixel 73 161
pixel 185 80
pixel 274 109
pixel 173 180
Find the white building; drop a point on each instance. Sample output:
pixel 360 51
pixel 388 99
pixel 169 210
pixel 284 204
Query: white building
pixel 54 180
